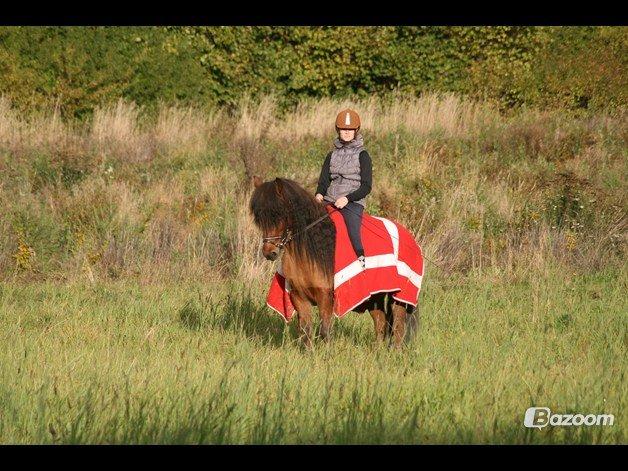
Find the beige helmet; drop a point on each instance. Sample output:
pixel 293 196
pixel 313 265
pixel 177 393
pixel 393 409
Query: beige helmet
pixel 347 119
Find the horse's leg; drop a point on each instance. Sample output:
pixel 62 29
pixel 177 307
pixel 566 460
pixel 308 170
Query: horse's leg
pixel 388 310
pixel 325 303
pixel 399 324
pixel 379 320
pixel 304 315
pixel 377 311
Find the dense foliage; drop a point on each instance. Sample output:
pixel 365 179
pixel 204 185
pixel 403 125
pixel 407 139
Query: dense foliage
pixel 81 67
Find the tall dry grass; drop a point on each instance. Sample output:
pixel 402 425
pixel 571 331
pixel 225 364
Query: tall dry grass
pixel 127 193
pixel 40 131
pixel 116 130
pixel 443 112
pixel 185 130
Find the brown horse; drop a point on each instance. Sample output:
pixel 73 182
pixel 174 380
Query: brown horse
pixel 283 210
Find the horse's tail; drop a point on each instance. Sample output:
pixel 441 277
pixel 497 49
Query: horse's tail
pixel 412 324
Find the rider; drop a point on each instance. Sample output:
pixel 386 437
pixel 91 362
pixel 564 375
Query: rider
pixel 346 177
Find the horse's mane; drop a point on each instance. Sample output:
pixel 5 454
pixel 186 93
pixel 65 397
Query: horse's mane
pixel 285 200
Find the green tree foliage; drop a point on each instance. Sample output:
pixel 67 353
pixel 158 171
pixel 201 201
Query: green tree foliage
pixel 581 68
pixel 81 67
pixel 565 67
pixel 298 62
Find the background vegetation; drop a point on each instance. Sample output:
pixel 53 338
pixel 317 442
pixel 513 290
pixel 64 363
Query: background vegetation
pixel 129 194
pixel 80 68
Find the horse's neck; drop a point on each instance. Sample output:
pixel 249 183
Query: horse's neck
pixel 291 263
pixel 302 274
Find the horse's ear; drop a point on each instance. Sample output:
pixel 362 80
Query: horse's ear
pixel 257 181
pixel 279 186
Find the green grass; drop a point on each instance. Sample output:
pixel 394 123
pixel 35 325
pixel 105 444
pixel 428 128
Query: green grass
pixel 122 362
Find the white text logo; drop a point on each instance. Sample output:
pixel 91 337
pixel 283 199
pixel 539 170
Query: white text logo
pixel 539 417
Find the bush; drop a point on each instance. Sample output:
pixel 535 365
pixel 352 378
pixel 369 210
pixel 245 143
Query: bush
pixel 82 67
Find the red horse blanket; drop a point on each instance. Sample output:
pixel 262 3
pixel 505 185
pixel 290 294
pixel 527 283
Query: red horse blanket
pixel 394 263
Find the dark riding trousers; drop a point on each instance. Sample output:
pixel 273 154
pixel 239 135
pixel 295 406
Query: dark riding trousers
pixel 352 214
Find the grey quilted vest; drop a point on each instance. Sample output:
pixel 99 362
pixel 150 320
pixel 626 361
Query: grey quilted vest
pixel 344 169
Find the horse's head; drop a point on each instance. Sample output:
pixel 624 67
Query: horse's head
pixel 271 215
pixel 289 216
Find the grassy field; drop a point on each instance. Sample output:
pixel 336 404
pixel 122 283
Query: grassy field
pixel 127 363
pixel 132 288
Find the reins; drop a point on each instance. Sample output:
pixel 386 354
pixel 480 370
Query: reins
pixel 288 236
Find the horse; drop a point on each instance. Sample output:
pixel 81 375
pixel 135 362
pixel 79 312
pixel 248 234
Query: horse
pixel 294 226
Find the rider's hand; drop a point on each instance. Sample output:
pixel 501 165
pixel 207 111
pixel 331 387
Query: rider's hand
pixel 319 197
pixel 341 202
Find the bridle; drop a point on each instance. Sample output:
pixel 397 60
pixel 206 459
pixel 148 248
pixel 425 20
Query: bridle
pixel 288 235
pixel 285 238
